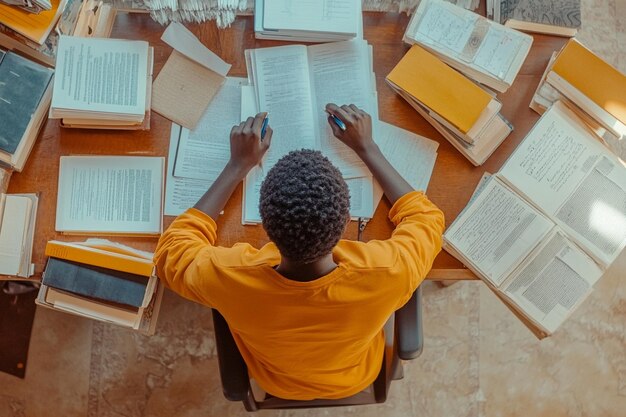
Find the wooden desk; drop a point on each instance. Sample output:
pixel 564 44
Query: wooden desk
pixel 453 180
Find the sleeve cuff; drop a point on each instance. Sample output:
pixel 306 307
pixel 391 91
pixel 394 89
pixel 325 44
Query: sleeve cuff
pixel 202 216
pixel 398 210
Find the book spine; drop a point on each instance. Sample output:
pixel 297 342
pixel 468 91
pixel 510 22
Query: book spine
pixel 103 260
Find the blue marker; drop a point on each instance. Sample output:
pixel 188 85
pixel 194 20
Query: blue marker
pixel 339 123
pixel 264 126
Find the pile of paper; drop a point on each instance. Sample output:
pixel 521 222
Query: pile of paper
pixel 308 21
pixel 103 83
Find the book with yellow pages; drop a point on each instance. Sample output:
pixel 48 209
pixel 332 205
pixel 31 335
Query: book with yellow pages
pixel 594 88
pixel 35 27
pixel 542 231
pixel 464 113
pixel 102 280
pixel 110 195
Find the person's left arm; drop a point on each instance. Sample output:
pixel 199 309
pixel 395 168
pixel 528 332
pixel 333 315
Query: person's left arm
pixel 185 246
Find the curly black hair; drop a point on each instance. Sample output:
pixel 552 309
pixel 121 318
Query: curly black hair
pixel 304 205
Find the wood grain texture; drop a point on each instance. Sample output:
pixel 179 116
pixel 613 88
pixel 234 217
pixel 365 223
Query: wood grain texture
pixel 453 180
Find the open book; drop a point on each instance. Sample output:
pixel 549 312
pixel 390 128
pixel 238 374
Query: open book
pixel 542 232
pixel 481 49
pixel 294 84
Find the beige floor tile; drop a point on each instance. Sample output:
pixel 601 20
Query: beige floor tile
pixel 579 371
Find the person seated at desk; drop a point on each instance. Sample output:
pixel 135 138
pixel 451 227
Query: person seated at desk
pixel 307 309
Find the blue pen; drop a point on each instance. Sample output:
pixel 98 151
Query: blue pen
pixel 264 127
pixel 339 123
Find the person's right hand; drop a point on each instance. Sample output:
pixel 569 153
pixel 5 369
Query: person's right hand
pixel 358 133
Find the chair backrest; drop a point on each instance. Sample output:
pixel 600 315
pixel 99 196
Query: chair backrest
pixel 406 343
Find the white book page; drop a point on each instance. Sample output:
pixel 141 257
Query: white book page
pixel 439 23
pixel 361 197
pixel 15 219
pixel 101 75
pixel 341 74
pixel 413 156
pixel 336 16
pixel 115 194
pixel 550 285
pixel 180 193
pixel 282 89
pixel 496 231
pixel 204 152
pixel 573 178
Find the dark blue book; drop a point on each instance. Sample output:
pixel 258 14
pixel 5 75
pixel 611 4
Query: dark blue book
pixel 22 85
pixel 95 282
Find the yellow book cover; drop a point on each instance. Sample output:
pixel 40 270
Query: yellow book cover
pixel 35 27
pixel 100 258
pixel 440 88
pixel 595 78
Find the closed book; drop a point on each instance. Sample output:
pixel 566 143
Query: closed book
pixel 557 17
pixel 593 77
pixel 440 88
pixel 22 86
pixel 99 257
pixel 35 27
pixel 96 282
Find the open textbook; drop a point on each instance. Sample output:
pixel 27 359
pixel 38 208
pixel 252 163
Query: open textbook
pixel 543 230
pixel 196 157
pixel 294 84
pixel 483 50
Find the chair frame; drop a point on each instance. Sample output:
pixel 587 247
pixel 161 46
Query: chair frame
pixel 407 344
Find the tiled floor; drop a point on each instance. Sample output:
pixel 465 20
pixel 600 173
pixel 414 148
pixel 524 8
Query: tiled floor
pixel 478 359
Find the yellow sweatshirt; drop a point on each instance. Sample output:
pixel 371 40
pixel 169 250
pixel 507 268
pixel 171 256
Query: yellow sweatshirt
pixel 305 340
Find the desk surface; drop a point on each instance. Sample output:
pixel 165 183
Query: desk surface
pixel 454 177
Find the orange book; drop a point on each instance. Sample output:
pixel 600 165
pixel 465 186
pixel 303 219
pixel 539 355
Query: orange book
pixel 595 78
pixel 440 88
pixel 35 27
pixel 101 258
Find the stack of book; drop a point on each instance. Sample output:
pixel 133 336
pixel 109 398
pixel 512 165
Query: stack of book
pixel 328 20
pixel 485 51
pixel 87 18
pixel 17 231
pixel 103 83
pixel 104 281
pixel 542 231
pixel 463 112
pixel 552 17
pixel 25 93
pixel 595 89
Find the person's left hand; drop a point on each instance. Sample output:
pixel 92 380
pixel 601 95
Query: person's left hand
pixel 247 147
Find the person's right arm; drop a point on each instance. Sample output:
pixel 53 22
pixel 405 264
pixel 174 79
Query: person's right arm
pixel 417 238
pixel 358 136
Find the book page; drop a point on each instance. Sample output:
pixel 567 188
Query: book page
pixel 553 282
pixel 13 236
pixel 341 74
pixel 496 231
pixel 498 50
pixel 282 89
pixel 444 25
pixel 336 16
pixel 204 152
pixel 110 194
pixel 101 75
pixel 413 156
pixel 180 193
pixel 361 197
pixel 572 177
